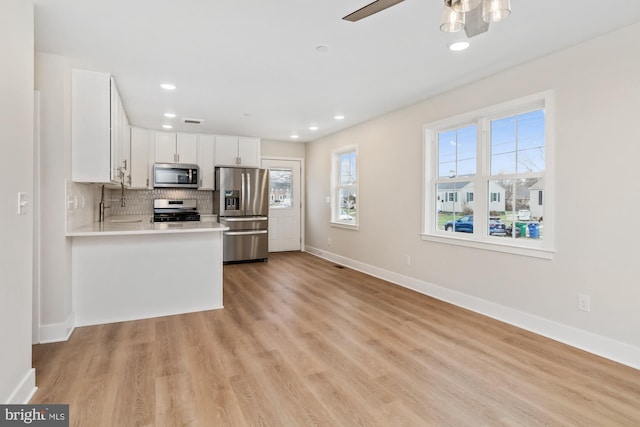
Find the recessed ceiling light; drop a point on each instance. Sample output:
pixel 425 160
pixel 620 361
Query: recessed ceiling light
pixel 338 117
pixel 313 128
pixel 322 49
pixel 458 46
pixel 294 136
pixel 168 86
pixel 169 115
pixel 167 126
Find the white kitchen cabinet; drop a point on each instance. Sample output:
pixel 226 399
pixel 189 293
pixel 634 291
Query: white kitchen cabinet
pixel 141 160
pixel 174 147
pixel 165 144
pixel 187 148
pixel 206 161
pixel 99 129
pixel 237 151
pixel 121 138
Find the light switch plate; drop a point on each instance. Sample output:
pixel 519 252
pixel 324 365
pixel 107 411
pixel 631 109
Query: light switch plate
pixel 23 201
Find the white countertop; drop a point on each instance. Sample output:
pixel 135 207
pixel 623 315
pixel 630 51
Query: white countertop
pixel 142 224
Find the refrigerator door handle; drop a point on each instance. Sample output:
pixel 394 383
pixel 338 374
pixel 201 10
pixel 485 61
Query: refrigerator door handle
pixel 244 233
pixel 243 193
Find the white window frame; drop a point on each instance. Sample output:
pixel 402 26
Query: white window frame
pixel 335 187
pixel 542 248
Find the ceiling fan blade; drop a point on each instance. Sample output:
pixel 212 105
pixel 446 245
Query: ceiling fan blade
pixel 474 24
pixel 370 9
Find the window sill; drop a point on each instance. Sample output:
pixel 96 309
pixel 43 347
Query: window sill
pixel 344 225
pixel 490 246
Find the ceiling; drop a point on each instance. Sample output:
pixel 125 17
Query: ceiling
pixel 253 68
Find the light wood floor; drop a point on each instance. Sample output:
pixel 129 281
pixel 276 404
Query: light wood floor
pixel 302 342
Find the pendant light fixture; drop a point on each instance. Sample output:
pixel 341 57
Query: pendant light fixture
pixel 472 15
pixel 464 5
pixel 495 10
pixel 451 21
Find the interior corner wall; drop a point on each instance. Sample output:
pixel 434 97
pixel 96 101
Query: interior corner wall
pixel 17 378
pixel 596 89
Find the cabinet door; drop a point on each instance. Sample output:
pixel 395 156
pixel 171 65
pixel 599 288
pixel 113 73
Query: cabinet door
pixel 165 147
pixel 206 153
pixel 249 151
pixel 90 127
pixel 141 141
pixel 187 148
pixel 226 150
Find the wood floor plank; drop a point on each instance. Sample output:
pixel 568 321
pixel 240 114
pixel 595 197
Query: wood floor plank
pixel 301 342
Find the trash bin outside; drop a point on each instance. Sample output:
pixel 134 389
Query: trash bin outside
pixel 534 230
pixel 522 226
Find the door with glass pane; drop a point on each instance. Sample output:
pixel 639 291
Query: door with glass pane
pixel 284 205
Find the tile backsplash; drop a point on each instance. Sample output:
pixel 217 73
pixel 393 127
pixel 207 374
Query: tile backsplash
pixel 140 202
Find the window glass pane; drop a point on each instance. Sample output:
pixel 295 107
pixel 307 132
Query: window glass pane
pixel 453 200
pixel 519 209
pixel 531 142
pixel 280 188
pixel 517 144
pixel 457 152
pixel 503 146
pixel 348 168
pixel 347 204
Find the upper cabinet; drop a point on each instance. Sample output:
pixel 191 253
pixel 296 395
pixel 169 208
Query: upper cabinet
pixel 206 160
pixel 99 130
pixel 142 141
pixel 174 147
pixel 237 151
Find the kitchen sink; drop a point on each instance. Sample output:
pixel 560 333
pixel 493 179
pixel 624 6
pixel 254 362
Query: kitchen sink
pixel 125 221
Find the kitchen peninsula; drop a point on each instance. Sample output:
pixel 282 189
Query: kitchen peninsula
pixel 132 268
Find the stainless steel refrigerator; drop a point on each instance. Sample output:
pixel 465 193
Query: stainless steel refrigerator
pixel 241 201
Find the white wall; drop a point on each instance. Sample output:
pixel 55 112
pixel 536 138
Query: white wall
pixel 53 80
pixel 294 150
pixel 597 90
pixel 17 378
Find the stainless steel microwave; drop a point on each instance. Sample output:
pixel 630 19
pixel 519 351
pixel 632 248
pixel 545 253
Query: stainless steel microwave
pixel 175 175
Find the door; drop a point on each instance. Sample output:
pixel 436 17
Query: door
pixel 229 183
pixel 285 204
pixel 256 191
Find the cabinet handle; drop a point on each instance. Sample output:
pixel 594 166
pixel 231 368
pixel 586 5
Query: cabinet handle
pixel 147 182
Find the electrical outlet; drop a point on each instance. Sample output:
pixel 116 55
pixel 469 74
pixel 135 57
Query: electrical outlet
pixel 329 241
pixel 584 302
pixel 407 259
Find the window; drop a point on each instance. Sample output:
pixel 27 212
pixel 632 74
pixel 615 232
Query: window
pixel 280 183
pixel 498 160
pixel 344 172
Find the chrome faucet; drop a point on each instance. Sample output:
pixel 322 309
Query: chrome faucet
pixel 102 206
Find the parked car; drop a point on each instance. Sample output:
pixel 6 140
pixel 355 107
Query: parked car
pixel 464 224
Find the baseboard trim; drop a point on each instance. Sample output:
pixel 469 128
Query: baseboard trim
pixel 596 344
pixel 25 389
pixel 56 332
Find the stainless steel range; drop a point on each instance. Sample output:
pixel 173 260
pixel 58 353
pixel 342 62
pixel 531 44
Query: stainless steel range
pixel 167 210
